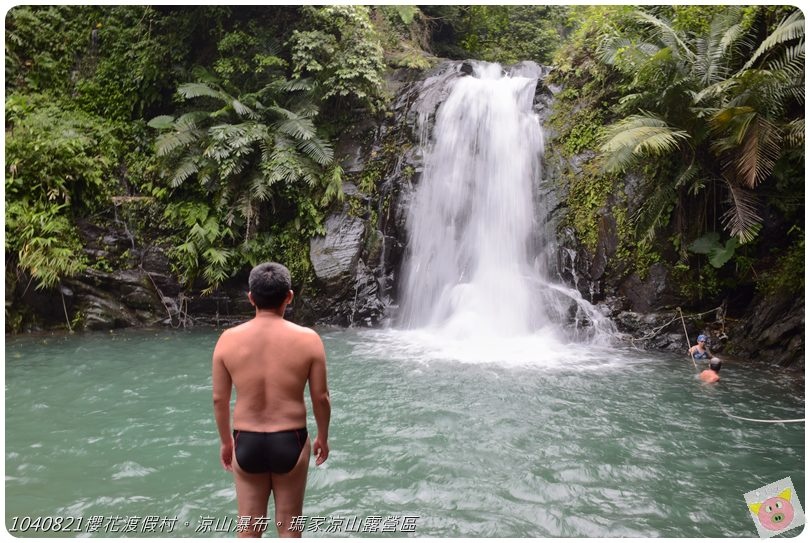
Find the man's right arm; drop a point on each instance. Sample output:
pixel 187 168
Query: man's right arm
pixel 321 403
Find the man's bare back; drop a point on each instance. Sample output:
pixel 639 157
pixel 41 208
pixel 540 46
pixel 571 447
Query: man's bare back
pixel 270 361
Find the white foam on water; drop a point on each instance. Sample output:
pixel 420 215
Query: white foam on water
pixel 543 349
pixel 130 469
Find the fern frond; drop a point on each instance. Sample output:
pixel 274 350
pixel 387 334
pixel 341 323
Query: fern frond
pixel 186 169
pixel 318 150
pixel 297 128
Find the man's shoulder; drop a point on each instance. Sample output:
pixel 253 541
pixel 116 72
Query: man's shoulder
pixel 235 330
pixel 297 328
pixel 301 330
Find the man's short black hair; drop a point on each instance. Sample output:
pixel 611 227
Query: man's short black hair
pixel 269 285
pixel 715 366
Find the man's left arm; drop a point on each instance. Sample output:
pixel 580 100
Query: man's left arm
pixel 222 385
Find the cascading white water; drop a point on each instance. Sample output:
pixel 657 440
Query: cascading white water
pixel 469 270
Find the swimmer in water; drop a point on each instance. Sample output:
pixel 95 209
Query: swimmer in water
pixel 712 375
pixel 700 351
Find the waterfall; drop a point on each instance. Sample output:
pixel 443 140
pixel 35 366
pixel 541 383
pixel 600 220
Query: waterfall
pixel 472 268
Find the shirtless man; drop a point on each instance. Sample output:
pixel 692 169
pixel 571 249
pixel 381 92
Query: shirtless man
pixel 712 375
pixel 270 360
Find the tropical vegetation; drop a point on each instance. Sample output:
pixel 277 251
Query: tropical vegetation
pixel 699 113
pixel 223 122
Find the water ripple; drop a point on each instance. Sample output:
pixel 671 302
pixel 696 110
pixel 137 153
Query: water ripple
pixel 594 444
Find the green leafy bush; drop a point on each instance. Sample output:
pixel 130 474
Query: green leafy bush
pixel 59 163
pixel 59 155
pixel 342 52
pixel 43 241
pixel 250 147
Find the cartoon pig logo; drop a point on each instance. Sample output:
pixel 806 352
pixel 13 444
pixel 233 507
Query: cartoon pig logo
pixel 776 513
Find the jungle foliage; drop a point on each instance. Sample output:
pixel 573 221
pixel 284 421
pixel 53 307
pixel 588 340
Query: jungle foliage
pixel 703 107
pixel 225 119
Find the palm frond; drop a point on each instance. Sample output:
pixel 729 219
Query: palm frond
pixel 611 47
pixel 741 219
pixel 242 110
pixel 687 179
pixel 655 211
pixel 168 142
pixel 667 35
pixel 791 28
pixel 731 38
pixel 191 118
pixel 186 169
pixel 306 108
pixel 794 135
pixel 195 90
pixel 260 187
pixel 637 136
pixel 294 85
pixel 712 60
pixel 714 90
pixel 730 124
pixel 790 62
pixel 759 152
pixel 233 167
pixel 282 112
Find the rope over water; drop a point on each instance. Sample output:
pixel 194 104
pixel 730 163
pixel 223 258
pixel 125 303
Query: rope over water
pixel 654 332
pixel 772 421
pixel 686 334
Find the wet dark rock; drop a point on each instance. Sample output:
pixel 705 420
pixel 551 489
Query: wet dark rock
pixel 103 313
pixel 352 147
pixel 334 255
pixel 774 331
pixel 655 330
pixel 648 294
pixel 606 244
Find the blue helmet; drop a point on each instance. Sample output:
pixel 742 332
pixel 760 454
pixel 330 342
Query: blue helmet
pixel 701 337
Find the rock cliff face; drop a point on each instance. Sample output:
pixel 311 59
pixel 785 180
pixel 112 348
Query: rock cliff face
pixel 357 262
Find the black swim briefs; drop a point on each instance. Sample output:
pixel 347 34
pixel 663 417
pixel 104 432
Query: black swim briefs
pixel 260 452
